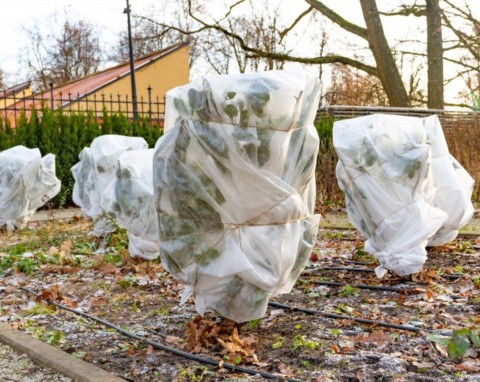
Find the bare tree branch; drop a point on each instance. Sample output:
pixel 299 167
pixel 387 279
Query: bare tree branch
pixel 407 10
pixel 255 52
pixel 464 39
pixel 452 60
pixel 337 19
pixel 295 22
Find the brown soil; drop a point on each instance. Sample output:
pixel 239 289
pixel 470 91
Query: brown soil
pixel 141 297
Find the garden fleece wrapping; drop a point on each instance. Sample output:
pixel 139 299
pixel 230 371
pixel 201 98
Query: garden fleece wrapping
pixel 97 169
pixel 129 200
pixel 27 182
pixel 234 188
pixel 403 190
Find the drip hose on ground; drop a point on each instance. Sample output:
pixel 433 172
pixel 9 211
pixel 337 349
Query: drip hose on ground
pixel 157 345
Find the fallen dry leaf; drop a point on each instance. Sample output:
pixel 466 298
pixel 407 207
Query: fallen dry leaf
pixel 173 340
pixel 423 364
pixel 470 365
pixel 428 295
pixel 377 336
pixel 284 369
pixel 335 348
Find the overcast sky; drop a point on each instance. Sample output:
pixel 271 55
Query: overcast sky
pixel 109 17
pixel 107 14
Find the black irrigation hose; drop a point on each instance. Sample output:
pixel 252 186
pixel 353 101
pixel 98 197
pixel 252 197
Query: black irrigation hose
pixel 357 262
pixel 364 286
pixel 461 235
pixel 157 345
pixel 467 235
pixel 342 260
pixel 381 288
pixel 345 269
pixel 356 319
pixel 453 276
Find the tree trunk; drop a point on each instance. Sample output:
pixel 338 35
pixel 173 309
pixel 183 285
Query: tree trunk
pixel 434 55
pixel 386 66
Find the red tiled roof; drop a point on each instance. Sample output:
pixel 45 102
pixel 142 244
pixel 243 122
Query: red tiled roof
pixel 84 86
pixel 14 89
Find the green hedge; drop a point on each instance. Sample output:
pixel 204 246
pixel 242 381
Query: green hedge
pixel 329 194
pixel 65 135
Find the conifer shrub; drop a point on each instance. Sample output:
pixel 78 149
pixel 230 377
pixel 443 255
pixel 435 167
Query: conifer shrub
pixel 329 194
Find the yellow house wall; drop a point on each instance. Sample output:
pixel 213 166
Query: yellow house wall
pixel 10 100
pixel 162 75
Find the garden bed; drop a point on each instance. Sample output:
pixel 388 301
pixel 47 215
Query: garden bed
pixel 61 261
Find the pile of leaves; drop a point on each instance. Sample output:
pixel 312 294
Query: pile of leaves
pixel 220 337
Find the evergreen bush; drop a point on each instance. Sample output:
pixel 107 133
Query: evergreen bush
pixel 328 192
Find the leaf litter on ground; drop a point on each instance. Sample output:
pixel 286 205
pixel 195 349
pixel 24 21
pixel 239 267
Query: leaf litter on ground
pixel 64 262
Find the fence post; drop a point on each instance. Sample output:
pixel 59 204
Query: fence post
pixel 158 109
pixel 149 90
pixel 51 94
pixel 60 99
pixel 32 105
pixel 95 103
pixel 5 105
pixel 14 108
pixel 126 106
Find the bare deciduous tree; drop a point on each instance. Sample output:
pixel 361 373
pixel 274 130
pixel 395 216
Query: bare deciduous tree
pixel 460 20
pixel 434 55
pixel 70 53
pixel 253 42
pixel 386 69
pixel 148 36
pixel 350 86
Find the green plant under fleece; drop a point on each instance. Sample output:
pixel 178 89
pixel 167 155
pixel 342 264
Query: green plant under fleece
pixel 65 135
pixel 234 188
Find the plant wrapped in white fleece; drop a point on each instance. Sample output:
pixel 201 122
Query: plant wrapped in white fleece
pixel 234 188
pixel 97 169
pixel 27 182
pixel 397 176
pixel 454 185
pixel 129 200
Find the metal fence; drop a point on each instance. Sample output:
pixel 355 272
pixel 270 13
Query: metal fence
pixel 448 118
pixel 151 107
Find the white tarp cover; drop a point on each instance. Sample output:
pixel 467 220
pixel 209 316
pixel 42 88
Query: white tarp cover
pixel 454 185
pixel 27 182
pixel 398 178
pixel 97 169
pixel 129 199
pixel 235 188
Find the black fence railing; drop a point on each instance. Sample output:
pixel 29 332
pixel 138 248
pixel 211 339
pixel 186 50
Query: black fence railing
pixel 149 106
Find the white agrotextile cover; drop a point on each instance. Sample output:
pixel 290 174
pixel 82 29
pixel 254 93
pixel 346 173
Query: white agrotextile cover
pixel 97 168
pixel 454 185
pixel 129 199
pixel 398 178
pixel 235 188
pixel 27 182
